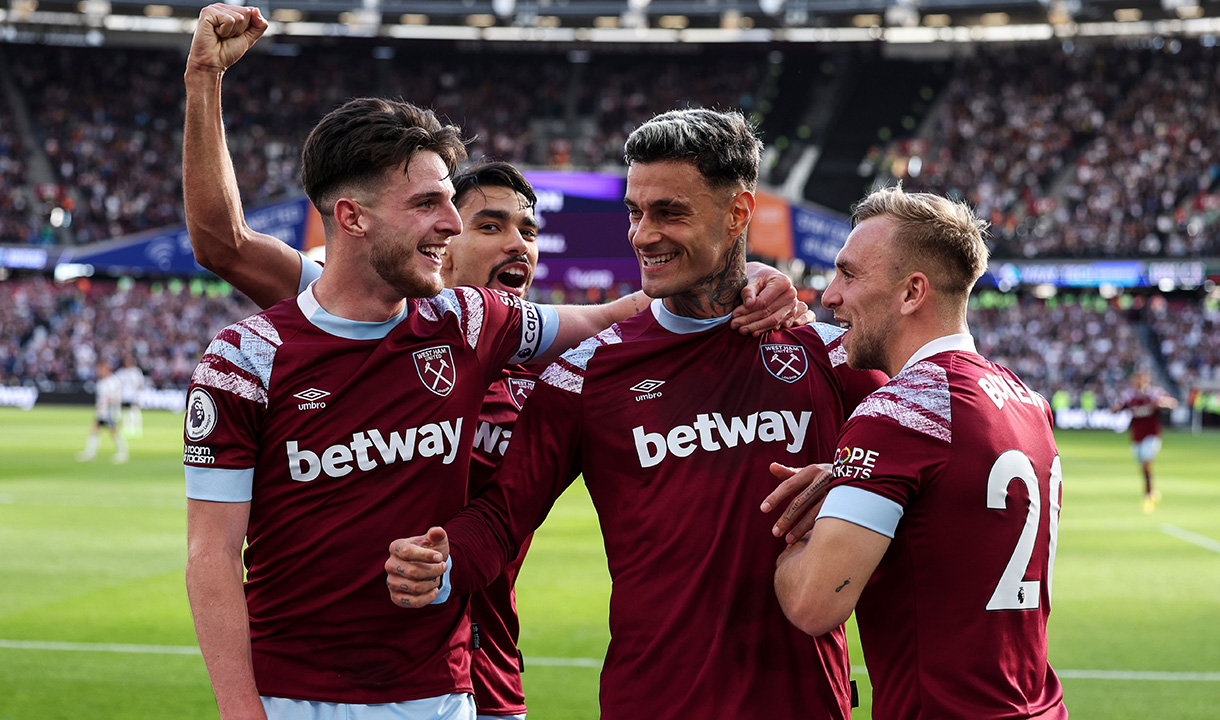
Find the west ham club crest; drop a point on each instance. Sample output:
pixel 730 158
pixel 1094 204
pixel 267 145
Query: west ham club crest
pixel 786 362
pixel 518 390
pixel 436 370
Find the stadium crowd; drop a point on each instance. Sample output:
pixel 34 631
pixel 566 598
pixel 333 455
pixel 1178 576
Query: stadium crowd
pixel 1189 335
pixel 103 113
pixel 1080 151
pixel 52 335
pixel 1081 344
pixel 1069 151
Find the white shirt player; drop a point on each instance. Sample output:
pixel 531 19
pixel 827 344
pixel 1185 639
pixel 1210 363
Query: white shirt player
pixel 109 397
pixel 132 382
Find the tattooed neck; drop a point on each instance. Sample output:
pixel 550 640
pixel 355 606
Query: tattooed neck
pixel 716 294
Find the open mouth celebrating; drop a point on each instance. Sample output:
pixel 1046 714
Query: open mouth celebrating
pixel 511 276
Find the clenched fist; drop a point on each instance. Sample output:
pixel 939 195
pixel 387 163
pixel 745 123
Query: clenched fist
pixel 223 35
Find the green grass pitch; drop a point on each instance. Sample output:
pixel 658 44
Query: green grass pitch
pixel 94 621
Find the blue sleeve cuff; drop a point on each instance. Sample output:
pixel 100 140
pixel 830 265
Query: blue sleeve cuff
pixel 550 327
pixel 310 271
pixel 864 508
pixel 446 588
pixel 219 484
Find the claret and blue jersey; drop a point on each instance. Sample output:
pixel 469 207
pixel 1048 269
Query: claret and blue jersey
pixel 344 436
pixel 674 423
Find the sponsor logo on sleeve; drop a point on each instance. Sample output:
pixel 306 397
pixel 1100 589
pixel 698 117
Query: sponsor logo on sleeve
pixel 518 390
pixel 531 333
pixel 198 455
pixel 201 415
pixel 648 389
pixel 855 462
pixel 312 397
pixel 435 368
pixel 786 362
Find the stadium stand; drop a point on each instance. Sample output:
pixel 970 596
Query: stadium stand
pixel 1073 150
pixel 104 113
pixel 1100 151
pixel 53 334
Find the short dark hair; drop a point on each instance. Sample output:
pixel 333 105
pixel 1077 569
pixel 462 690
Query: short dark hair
pixel 724 146
pixel 357 142
pixel 492 173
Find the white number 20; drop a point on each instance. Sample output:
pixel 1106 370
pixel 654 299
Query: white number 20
pixel 1013 593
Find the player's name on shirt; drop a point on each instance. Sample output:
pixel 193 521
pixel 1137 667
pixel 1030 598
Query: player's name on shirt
pixel 1003 390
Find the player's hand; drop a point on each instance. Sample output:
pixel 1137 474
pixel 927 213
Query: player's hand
pixel 416 568
pixel 223 35
pixel 768 302
pixel 809 485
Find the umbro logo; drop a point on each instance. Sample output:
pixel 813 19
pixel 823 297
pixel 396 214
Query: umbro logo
pixel 647 389
pixel 312 396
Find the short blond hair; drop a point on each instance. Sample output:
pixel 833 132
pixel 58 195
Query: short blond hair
pixel 941 238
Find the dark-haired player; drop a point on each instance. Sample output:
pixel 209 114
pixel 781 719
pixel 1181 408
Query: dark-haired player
pixel 672 417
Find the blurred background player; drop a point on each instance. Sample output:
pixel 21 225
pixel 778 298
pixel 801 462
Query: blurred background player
pixel 941 523
pixel 108 391
pixel 1145 402
pixel 131 378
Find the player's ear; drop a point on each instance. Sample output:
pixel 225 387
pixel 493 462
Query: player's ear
pixel 350 217
pixel 741 209
pixel 916 290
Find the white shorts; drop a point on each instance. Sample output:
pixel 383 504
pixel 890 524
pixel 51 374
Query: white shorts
pixel 502 717
pixel 1146 450
pixel 456 706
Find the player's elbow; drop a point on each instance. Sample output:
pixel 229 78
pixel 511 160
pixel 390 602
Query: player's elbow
pixel 810 612
pixel 216 248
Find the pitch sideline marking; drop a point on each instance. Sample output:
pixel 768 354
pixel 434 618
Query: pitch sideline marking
pixel 1193 538
pixel 574 662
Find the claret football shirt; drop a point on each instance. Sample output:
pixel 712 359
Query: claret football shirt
pixel 495 665
pixel 674 423
pixel 1145 407
pixel 955 460
pixel 344 436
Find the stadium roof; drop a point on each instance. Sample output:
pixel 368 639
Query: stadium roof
pixel 96 22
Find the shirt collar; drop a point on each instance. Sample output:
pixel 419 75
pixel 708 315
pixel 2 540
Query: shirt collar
pixel 682 325
pixel 342 327
pixel 945 343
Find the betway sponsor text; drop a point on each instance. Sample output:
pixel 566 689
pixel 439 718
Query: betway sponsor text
pixel 712 431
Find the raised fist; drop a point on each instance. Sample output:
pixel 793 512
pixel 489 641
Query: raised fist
pixel 223 35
